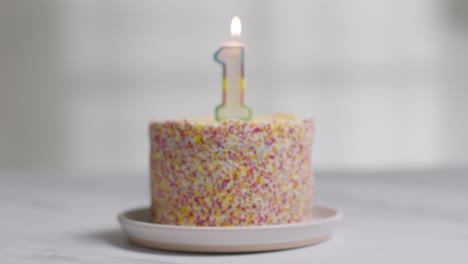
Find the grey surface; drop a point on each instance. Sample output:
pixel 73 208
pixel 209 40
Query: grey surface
pixel 396 217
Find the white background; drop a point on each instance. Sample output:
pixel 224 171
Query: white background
pixel 385 80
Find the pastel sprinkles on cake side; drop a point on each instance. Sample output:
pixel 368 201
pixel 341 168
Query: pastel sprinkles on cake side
pixel 233 172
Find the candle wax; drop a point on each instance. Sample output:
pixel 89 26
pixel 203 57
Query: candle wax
pixel 231 57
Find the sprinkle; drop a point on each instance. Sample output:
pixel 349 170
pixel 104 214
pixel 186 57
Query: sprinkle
pixel 185 210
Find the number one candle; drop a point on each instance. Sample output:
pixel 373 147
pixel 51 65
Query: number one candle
pixel 231 56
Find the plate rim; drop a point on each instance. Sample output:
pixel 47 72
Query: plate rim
pixel 123 218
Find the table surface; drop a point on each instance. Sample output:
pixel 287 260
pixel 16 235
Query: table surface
pixel 390 217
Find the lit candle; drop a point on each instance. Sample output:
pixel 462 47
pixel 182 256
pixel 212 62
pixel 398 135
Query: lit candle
pixel 231 56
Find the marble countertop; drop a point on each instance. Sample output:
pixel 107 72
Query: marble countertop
pixel 390 217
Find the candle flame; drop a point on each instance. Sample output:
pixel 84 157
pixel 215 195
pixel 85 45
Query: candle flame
pixel 236 28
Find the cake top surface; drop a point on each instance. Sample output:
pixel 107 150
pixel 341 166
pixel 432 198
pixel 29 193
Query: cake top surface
pixel 278 118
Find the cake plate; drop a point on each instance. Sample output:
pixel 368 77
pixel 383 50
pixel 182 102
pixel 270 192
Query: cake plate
pixel 140 230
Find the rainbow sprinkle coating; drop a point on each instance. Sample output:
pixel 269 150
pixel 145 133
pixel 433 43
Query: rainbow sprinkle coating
pixel 232 173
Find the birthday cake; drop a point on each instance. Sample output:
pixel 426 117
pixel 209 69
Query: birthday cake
pixel 231 172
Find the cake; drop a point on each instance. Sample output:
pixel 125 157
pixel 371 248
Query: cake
pixel 232 172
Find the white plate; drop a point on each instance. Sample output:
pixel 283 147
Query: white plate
pixel 140 230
